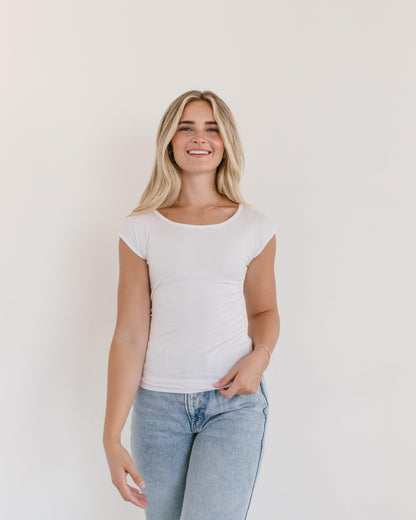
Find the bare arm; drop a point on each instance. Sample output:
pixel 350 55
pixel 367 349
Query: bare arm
pixel 263 324
pixel 125 366
pixel 261 303
pixel 128 347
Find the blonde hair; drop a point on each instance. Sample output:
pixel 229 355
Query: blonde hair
pixel 165 182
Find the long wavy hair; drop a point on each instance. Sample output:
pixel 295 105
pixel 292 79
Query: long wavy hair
pixel 165 182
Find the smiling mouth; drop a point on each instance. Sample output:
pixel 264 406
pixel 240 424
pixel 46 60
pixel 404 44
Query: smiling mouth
pixel 198 153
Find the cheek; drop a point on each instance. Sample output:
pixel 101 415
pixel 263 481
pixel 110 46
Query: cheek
pixel 177 141
pixel 219 142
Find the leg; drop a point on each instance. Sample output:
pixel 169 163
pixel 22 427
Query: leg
pixel 226 457
pixel 161 444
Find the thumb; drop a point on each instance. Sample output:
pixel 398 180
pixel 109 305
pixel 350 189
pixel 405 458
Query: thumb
pixel 229 376
pixel 135 475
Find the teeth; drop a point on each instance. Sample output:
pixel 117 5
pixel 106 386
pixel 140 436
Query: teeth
pixel 198 152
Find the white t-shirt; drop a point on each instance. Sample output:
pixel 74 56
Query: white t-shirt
pixel 198 327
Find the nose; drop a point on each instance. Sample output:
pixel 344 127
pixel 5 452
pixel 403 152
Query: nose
pixel 198 136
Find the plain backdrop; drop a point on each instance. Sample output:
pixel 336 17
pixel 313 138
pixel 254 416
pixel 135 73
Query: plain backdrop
pixel 324 97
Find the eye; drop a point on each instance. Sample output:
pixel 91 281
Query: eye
pixel 185 128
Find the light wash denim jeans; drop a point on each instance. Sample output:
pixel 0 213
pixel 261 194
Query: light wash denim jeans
pixel 198 453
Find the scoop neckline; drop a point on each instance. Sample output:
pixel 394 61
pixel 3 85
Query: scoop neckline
pixel 182 224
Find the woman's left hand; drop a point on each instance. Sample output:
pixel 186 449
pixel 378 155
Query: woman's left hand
pixel 246 373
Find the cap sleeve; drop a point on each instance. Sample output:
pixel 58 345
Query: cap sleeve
pixel 263 232
pixel 133 232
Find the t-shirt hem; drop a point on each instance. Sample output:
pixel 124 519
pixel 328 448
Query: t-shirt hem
pixel 176 389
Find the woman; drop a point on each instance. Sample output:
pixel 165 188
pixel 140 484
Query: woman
pixel 192 255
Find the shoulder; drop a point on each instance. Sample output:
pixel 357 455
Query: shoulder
pixel 136 220
pixel 139 216
pixel 257 218
pixel 260 229
pixel 134 230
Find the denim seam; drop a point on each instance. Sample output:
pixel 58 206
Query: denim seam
pixel 258 463
pixel 187 396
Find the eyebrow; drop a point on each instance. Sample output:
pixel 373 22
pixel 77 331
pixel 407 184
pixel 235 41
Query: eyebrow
pixel 193 122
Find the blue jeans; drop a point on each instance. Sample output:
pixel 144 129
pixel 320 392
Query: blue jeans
pixel 198 453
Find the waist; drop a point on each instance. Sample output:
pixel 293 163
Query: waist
pixel 192 364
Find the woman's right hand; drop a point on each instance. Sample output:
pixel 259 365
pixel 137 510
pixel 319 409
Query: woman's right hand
pixel 121 464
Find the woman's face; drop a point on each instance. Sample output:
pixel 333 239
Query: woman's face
pixel 197 130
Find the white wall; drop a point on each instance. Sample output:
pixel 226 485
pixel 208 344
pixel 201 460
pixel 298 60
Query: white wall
pixel 324 96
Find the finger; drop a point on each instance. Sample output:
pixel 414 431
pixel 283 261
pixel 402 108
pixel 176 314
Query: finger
pixel 139 501
pixel 133 495
pixel 135 475
pixel 136 491
pixel 138 498
pixel 226 379
pixel 230 391
pixel 126 491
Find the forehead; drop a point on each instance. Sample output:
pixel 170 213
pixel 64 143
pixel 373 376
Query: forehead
pixel 198 110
